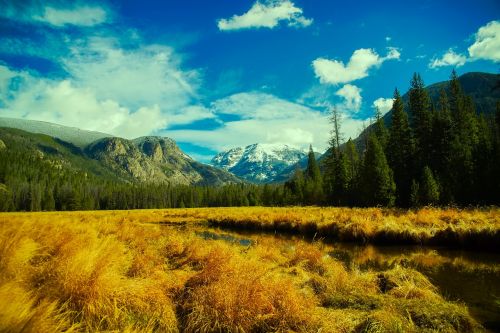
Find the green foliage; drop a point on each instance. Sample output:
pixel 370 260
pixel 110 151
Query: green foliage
pixel 313 193
pixel 377 178
pixel 429 188
pixel 446 154
pixel 400 150
pixel 421 117
pixel 380 130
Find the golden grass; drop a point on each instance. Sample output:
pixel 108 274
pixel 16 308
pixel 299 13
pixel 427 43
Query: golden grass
pixel 473 228
pixel 122 271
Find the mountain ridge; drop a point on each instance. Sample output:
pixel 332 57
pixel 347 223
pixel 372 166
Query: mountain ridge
pixel 142 160
pixel 258 162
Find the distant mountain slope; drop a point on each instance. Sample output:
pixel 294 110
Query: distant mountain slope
pixel 60 154
pixel 143 160
pixel 259 163
pixel 73 135
pixel 484 88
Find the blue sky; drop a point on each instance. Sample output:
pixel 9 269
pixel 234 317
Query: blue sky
pixel 214 75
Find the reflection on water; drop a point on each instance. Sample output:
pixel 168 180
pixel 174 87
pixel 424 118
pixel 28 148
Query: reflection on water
pixel 464 276
pixel 206 234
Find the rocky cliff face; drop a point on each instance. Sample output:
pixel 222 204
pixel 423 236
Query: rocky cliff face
pixel 156 160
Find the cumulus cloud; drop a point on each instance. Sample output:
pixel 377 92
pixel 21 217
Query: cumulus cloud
pixel 266 15
pixel 383 104
pixel 63 103
pixel 84 16
pixel 125 92
pixel 137 76
pixel 362 60
pixel 450 58
pixel 352 98
pixel 487 43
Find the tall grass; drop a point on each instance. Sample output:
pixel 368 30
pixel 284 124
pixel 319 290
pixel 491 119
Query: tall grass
pixel 117 271
pixel 430 226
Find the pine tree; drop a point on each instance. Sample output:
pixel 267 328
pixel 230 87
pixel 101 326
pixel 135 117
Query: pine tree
pixel 377 180
pixel 353 164
pixel 380 130
pixel 314 182
pixel 421 119
pixel 400 151
pixel 464 140
pixel 415 194
pixel 429 188
pixel 342 180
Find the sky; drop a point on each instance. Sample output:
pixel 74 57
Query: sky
pixel 215 75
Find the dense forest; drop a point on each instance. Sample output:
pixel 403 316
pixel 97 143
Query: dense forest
pixel 442 153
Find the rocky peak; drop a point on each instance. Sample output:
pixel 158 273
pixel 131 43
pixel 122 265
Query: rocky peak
pixel 258 162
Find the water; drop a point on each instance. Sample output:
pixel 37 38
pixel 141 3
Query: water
pixel 464 276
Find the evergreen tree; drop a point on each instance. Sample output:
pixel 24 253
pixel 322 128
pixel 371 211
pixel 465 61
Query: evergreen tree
pixel 421 119
pixel 429 188
pixel 296 185
pixel 442 155
pixel 377 180
pixel 400 151
pixel 415 194
pixel 464 140
pixel 353 164
pixel 380 130
pixel 314 181
pixel 342 181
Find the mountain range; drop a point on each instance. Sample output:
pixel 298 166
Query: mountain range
pixel 154 159
pixel 147 159
pixel 260 162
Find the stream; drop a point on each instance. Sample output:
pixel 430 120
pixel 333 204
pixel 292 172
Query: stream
pixel 464 276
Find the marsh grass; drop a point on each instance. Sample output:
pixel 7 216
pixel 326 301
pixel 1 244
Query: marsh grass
pixel 474 228
pixel 123 271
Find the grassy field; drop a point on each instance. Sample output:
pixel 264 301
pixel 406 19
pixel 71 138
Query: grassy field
pixel 124 271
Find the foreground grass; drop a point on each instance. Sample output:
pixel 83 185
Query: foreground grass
pixel 117 271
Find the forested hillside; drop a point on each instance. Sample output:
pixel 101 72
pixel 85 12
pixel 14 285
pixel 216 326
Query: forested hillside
pixel 432 152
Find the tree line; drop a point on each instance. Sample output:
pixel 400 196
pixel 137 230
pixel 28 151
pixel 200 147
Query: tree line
pixel 431 154
pixel 439 153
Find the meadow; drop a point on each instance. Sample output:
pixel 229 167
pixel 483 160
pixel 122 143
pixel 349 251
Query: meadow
pixel 151 271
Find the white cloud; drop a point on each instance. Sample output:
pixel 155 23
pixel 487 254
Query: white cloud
pixel 383 104
pixel 487 43
pixel 126 92
pixel 265 119
pixel 84 16
pixel 361 61
pixel 55 13
pixel 388 39
pixel 266 15
pixel 143 75
pixel 450 58
pixel 63 103
pixel 352 98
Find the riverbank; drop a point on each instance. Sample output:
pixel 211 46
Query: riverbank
pixel 91 271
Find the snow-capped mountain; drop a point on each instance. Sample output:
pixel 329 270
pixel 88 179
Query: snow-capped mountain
pixel 260 162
